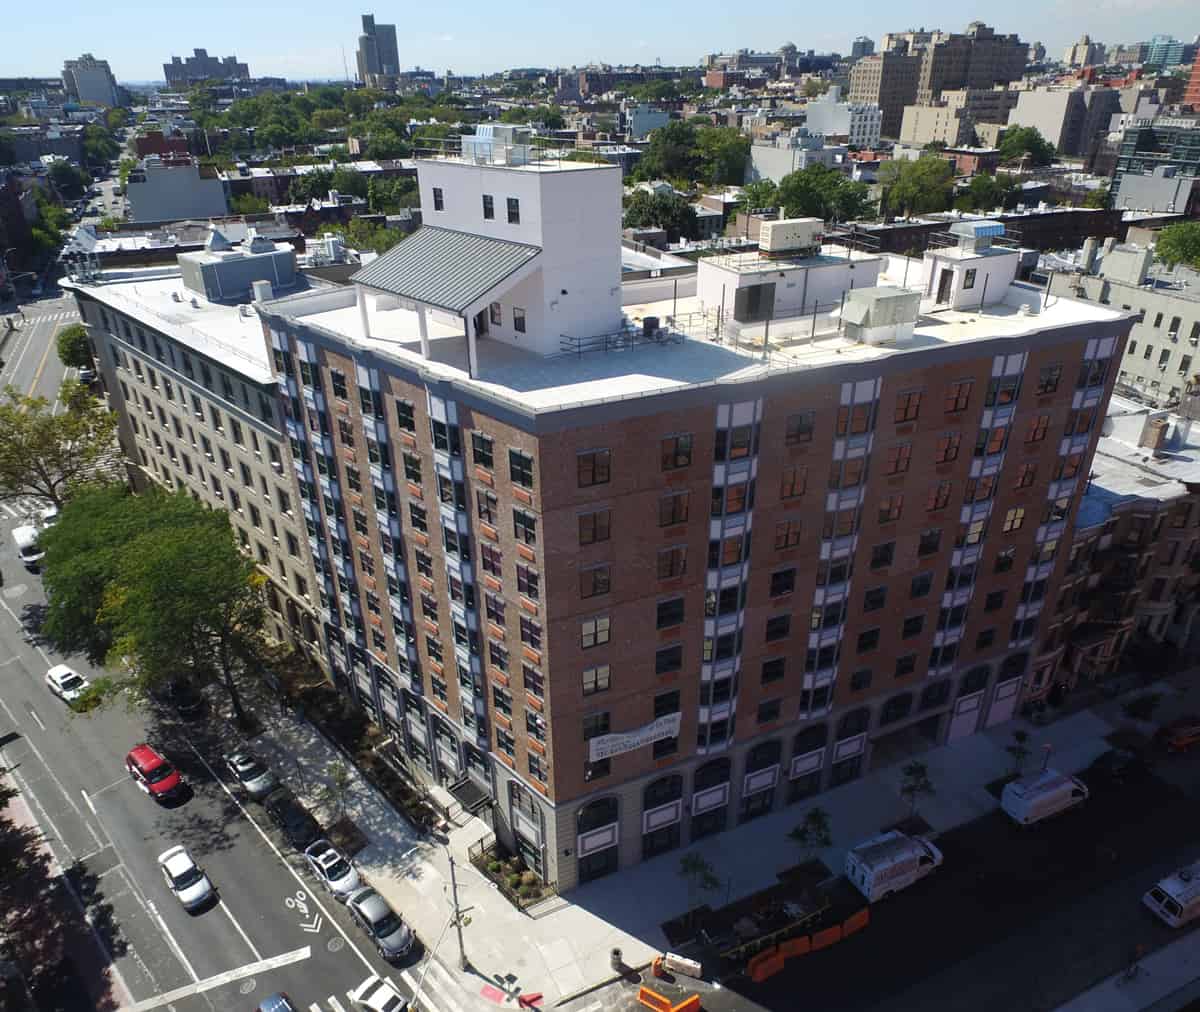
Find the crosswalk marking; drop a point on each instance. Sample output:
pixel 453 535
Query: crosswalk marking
pixel 335 1004
pixel 434 987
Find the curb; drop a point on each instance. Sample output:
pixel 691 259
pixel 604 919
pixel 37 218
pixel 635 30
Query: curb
pixel 581 992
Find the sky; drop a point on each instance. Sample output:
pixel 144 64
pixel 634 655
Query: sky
pixel 305 39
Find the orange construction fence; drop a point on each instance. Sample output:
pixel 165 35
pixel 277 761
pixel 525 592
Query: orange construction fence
pixel 770 961
pixel 796 946
pixel 826 938
pixel 768 968
pixel 856 922
pixel 661 1003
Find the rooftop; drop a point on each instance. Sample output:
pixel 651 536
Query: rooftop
pixel 696 349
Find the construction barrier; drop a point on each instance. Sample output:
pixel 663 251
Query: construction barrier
pixel 689 1004
pixel 762 957
pixel 768 968
pixel 796 947
pixel 681 964
pixel 653 1000
pixel 856 922
pixel 826 938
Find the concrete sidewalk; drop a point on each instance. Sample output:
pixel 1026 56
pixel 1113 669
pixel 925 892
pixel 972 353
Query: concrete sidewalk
pixel 564 947
pixel 1169 978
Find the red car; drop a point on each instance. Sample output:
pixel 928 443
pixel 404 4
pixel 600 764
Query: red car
pixel 152 773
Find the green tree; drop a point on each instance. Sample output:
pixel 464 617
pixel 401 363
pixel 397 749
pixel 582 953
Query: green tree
pixel 364 235
pixel 8 150
pixel 758 194
pixel 822 192
pixel 116 119
pixel 126 166
pixel 1097 198
pixel 385 145
pixel 654 91
pixel 68 180
pixel 661 210
pixel 1179 244
pixel 313 185
pixel 249 203
pixel 337 789
pixel 50 456
pixel 99 146
pixel 814 833
pixel 670 153
pixel 386 196
pixel 915 784
pixel 722 155
pixel 1019 141
pixel 814 87
pixel 986 192
pixel 74 350
pixel 916 187
pixel 700 877
pixel 1019 750
pixel 348 180
pixel 108 224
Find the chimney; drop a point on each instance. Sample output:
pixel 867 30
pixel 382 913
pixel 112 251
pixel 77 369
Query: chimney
pixel 1154 433
pixel 262 291
pixel 1088 260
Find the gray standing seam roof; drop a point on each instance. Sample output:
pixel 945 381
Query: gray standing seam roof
pixel 444 268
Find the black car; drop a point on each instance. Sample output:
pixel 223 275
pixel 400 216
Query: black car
pixel 297 823
pixel 1119 765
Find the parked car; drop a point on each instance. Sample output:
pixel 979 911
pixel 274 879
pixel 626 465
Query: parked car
pixel 66 683
pixel 293 818
pixel 277 1002
pixel 29 550
pixel 1041 795
pixel 392 937
pixel 153 774
pixel 1176 898
pixel 889 862
pixel 87 375
pixel 334 871
pixel 185 878
pixel 253 775
pixel 1180 734
pixel 378 995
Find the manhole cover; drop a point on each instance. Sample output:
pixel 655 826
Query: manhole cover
pixel 16 590
pixel 247 985
pixel 335 944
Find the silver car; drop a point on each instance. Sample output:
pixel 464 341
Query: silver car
pixel 392 937
pixel 333 870
pixel 249 771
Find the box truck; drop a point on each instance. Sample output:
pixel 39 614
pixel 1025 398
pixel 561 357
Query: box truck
pixel 890 862
pixel 1176 899
pixel 1032 798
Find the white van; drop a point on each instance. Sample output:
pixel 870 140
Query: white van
pixel 888 863
pixel 1176 899
pixel 1041 795
pixel 26 537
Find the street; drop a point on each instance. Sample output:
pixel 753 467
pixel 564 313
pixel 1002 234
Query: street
pixel 272 928
pixel 31 362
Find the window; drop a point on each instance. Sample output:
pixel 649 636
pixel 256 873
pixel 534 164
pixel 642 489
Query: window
pixel 868 641
pixel 1068 466
pixel 889 508
pixel 594 527
pixel 1037 429
pixel 898 458
pixel 596 679
pixel 1005 559
pixel 734 443
pixel 668 659
pixel 912 626
pixel 493 607
pixel 669 613
pixel 799 428
pixel 930 540
pixel 773 670
pixel 673 509
pixel 908 406
pixel 520 468
pixel 528 581
pixel 525 527
pixel 489 207
pixel 768 711
pixel 481 450
pixel 418 516
pixel 1048 379
pixel 855 420
pixel 404 416
pixel 938 497
pixel 485 500
pixel 787 534
pixel 793 482
pixel 958 396
pixel 874 599
pixel 985 639
pixel 1013 519
pixel 947 448
pixel 1002 390
pixel 593 468
pixel 905 665
pixel 778 627
pixel 1026 474
pixel 531 632
pixel 783 582
pixel 980 489
pixel 860 680
pixel 882 555
pixel 439 203
pixel 337 380
pixel 994 601
pixel 593 632
pixel 594 581
pixel 969 279
pixel 675 452
pixel 534 683
pixel 921 584
pixel 672 562
pixel 518 320
pixel 490 559
pixel 847 474
pixel 445 437
pixel 514 211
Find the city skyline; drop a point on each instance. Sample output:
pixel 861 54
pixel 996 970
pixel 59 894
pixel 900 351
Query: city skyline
pixel 312 43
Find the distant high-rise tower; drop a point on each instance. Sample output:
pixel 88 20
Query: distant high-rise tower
pixel 1192 95
pixel 860 47
pixel 377 50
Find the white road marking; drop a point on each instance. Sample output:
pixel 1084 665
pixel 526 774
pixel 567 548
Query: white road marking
pixel 275 850
pixel 220 980
pixel 109 787
pixel 335 1004
pixel 314 1007
pixel 20 625
pixel 175 946
pixel 240 929
pixel 10 511
pixel 448 982
pixel 88 801
pixel 36 719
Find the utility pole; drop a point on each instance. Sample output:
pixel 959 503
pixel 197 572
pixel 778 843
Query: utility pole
pixel 462 955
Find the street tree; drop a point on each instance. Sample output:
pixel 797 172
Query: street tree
pixel 916 187
pixel 821 192
pixel 1019 750
pixel 722 155
pixel 915 784
pixel 249 203
pixel 758 194
pixel 1179 244
pixel 667 211
pixel 670 153
pixel 814 833
pixel 1020 142
pixel 337 788
pixel 74 351
pixel 1097 198
pixel 50 455
pixel 700 877
pixel 365 235
pixel 987 191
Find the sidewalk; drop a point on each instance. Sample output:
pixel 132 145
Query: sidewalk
pixel 565 947
pixel 1169 979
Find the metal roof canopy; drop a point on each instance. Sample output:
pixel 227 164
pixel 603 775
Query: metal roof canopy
pixel 445 269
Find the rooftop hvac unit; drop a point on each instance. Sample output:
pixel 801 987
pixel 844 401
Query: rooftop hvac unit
pixel 790 237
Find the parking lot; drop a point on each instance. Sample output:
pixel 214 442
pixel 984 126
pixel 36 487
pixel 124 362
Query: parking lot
pixel 1018 918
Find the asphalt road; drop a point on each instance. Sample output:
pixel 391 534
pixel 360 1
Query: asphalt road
pixel 268 932
pixel 31 362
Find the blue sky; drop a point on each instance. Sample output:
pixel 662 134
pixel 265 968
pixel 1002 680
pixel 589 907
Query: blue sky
pixel 304 38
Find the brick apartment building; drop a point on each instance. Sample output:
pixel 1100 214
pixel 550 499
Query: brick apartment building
pixel 505 492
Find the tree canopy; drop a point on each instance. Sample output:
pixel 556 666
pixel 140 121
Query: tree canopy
pixel 249 203
pixel 69 180
pixel 667 211
pixel 74 351
pixel 50 455
pixel 916 187
pixel 1179 244
pixel 821 192
pixel 1019 141
pixel 365 235
pixel 986 192
pixel 758 194
pixel 687 151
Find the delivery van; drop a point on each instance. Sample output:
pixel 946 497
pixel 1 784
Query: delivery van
pixel 1176 899
pixel 890 862
pixel 26 538
pixel 1041 795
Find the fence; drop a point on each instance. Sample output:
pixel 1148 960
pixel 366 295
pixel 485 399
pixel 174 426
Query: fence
pixel 486 853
